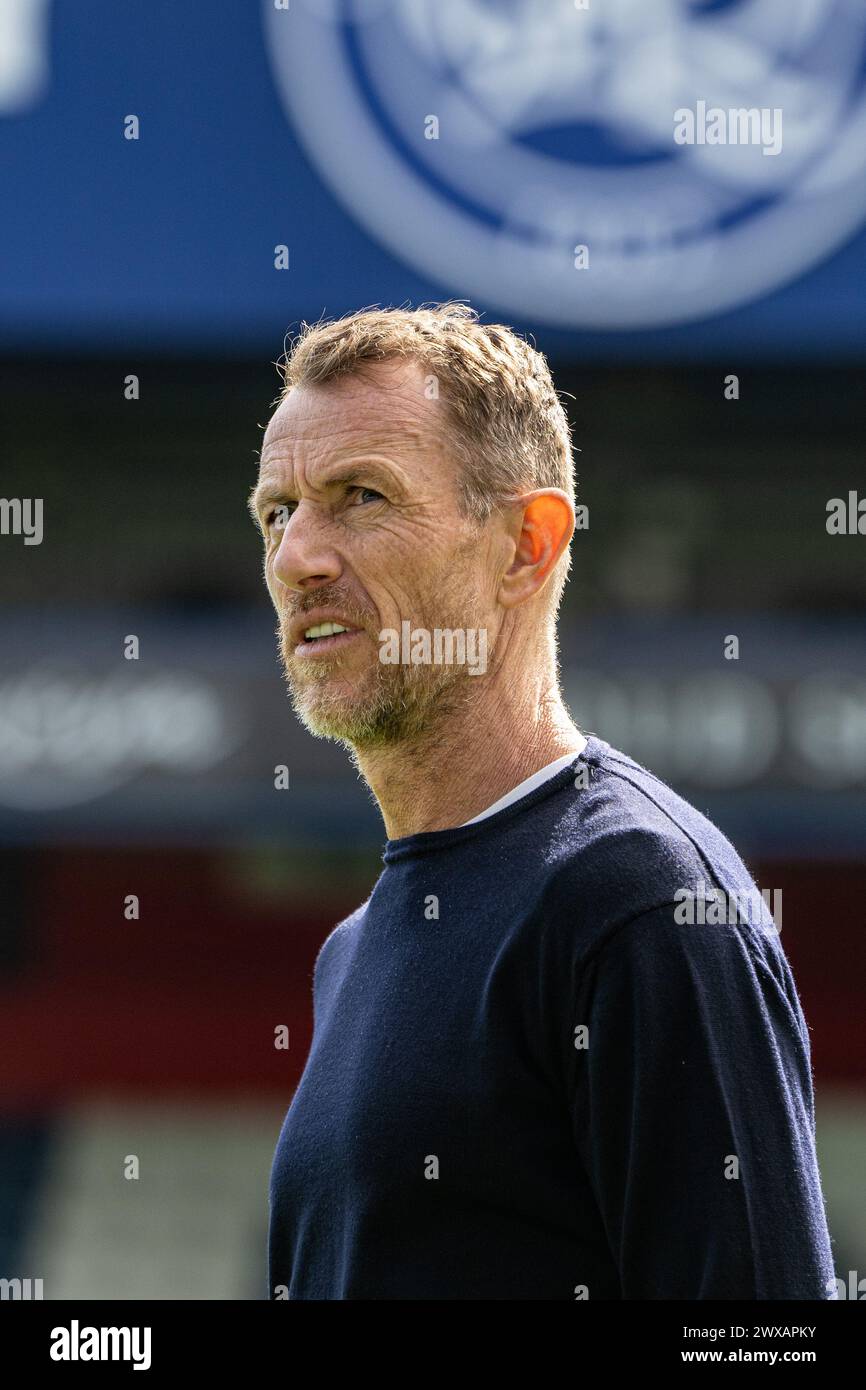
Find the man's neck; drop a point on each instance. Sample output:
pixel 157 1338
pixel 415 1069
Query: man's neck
pixel 450 775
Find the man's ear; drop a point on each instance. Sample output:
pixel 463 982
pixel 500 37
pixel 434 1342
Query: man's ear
pixel 542 526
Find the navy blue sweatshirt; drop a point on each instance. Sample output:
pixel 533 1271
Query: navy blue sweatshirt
pixel 530 1078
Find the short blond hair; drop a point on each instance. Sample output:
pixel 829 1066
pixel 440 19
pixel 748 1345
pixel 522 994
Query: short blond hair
pixel 507 425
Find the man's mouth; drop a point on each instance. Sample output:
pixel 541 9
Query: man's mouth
pixel 322 638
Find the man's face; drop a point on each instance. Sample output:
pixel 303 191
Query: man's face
pixel 358 500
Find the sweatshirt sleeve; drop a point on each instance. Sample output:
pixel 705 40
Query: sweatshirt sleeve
pixel 692 1102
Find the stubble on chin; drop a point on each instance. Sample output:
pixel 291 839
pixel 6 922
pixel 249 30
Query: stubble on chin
pixel 384 704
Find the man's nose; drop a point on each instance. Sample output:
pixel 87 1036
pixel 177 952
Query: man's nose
pixel 305 557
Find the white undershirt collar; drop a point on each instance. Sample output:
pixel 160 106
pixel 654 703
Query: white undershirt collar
pixel 530 783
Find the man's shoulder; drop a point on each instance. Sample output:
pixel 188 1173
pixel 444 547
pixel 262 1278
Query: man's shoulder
pixel 340 936
pixel 625 843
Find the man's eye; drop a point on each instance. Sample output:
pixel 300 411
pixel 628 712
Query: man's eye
pixel 278 516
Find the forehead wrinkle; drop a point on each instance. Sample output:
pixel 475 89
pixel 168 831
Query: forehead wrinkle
pixel 409 436
pixel 369 448
pixel 384 407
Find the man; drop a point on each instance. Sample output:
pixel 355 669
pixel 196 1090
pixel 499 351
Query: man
pixel 528 1078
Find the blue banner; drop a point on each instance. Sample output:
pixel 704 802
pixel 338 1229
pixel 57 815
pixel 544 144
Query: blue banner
pixel 626 180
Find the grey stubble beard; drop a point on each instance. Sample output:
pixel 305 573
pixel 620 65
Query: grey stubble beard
pixel 398 703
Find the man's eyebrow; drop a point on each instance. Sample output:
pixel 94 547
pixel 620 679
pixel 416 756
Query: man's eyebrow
pixel 264 493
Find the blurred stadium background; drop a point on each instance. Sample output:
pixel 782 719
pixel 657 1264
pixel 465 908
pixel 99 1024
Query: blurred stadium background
pixel 154 258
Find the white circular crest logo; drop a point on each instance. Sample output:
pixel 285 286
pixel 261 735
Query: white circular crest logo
pixel 606 164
